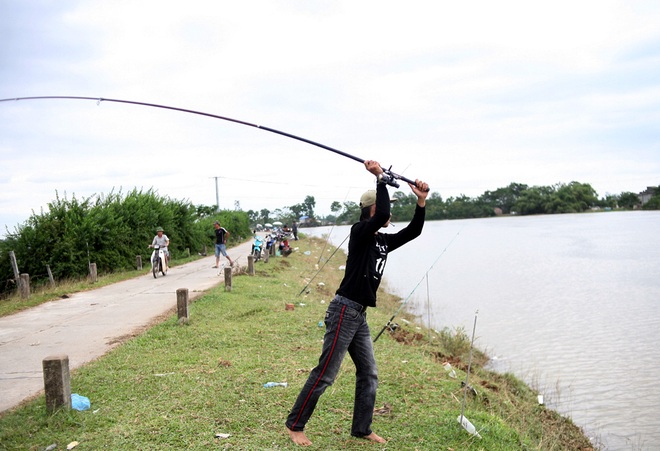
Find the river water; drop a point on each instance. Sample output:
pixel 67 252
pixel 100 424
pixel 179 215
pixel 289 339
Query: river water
pixel 568 303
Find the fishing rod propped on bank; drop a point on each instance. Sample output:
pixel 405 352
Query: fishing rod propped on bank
pixel 403 304
pixel 390 177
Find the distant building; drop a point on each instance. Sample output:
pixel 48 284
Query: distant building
pixel 645 196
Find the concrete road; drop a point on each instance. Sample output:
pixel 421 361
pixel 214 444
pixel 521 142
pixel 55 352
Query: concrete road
pixel 89 324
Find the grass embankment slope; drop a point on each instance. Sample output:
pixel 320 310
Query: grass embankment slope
pixel 178 385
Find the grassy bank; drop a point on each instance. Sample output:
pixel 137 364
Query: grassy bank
pixel 176 386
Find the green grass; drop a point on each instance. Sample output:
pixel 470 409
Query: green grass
pixel 177 385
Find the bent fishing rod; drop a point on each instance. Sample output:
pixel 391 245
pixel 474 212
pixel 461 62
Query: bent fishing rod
pixel 390 177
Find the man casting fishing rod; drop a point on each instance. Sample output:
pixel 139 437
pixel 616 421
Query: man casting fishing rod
pixel 346 317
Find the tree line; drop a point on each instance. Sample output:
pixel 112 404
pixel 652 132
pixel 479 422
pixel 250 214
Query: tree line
pixel 517 198
pixel 286 215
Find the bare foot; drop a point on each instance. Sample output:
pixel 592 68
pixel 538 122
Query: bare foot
pixel 299 437
pixel 375 438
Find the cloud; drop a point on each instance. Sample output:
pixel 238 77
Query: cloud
pixel 469 96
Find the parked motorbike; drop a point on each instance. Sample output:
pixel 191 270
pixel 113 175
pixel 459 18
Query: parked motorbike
pixel 257 247
pixel 158 261
pixel 271 239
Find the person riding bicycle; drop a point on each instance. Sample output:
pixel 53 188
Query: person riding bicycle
pixel 162 241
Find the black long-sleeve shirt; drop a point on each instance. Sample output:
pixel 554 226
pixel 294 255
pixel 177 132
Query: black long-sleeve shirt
pixel 368 249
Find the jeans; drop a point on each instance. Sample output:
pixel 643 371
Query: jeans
pixel 220 249
pixel 346 329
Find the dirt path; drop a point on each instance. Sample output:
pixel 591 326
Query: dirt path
pixel 89 324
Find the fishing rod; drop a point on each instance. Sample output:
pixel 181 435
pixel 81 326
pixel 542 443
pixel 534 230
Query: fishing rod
pixel 389 177
pixel 326 262
pixel 462 419
pixel 416 286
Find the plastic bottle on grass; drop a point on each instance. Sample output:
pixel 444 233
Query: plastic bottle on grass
pixel 450 371
pixel 275 384
pixel 467 425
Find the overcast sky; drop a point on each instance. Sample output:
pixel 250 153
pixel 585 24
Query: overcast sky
pixel 468 96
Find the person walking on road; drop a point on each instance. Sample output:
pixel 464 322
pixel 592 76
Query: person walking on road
pixel 221 235
pixel 346 317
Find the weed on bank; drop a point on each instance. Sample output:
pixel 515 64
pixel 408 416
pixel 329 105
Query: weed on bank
pixel 200 385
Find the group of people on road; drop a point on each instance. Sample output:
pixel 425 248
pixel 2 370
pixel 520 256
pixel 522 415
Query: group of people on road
pixel 293 230
pixel 221 234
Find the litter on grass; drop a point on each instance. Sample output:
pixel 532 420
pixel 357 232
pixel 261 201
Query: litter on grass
pixel 450 371
pixel 276 384
pixel 469 427
pixel 79 402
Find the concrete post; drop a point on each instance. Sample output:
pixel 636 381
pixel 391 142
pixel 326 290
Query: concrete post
pixel 228 274
pixel 138 262
pixel 14 265
pixel 57 382
pixel 250 265
pixel 182 304
pixel 51 280
pixel 24 285
pixel 92 272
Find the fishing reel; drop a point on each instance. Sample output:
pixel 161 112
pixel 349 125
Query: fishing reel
pixel 389 177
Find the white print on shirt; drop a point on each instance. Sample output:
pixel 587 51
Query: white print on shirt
pixel 380 261
pixel 380 267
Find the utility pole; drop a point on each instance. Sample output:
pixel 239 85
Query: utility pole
pixel 217 196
